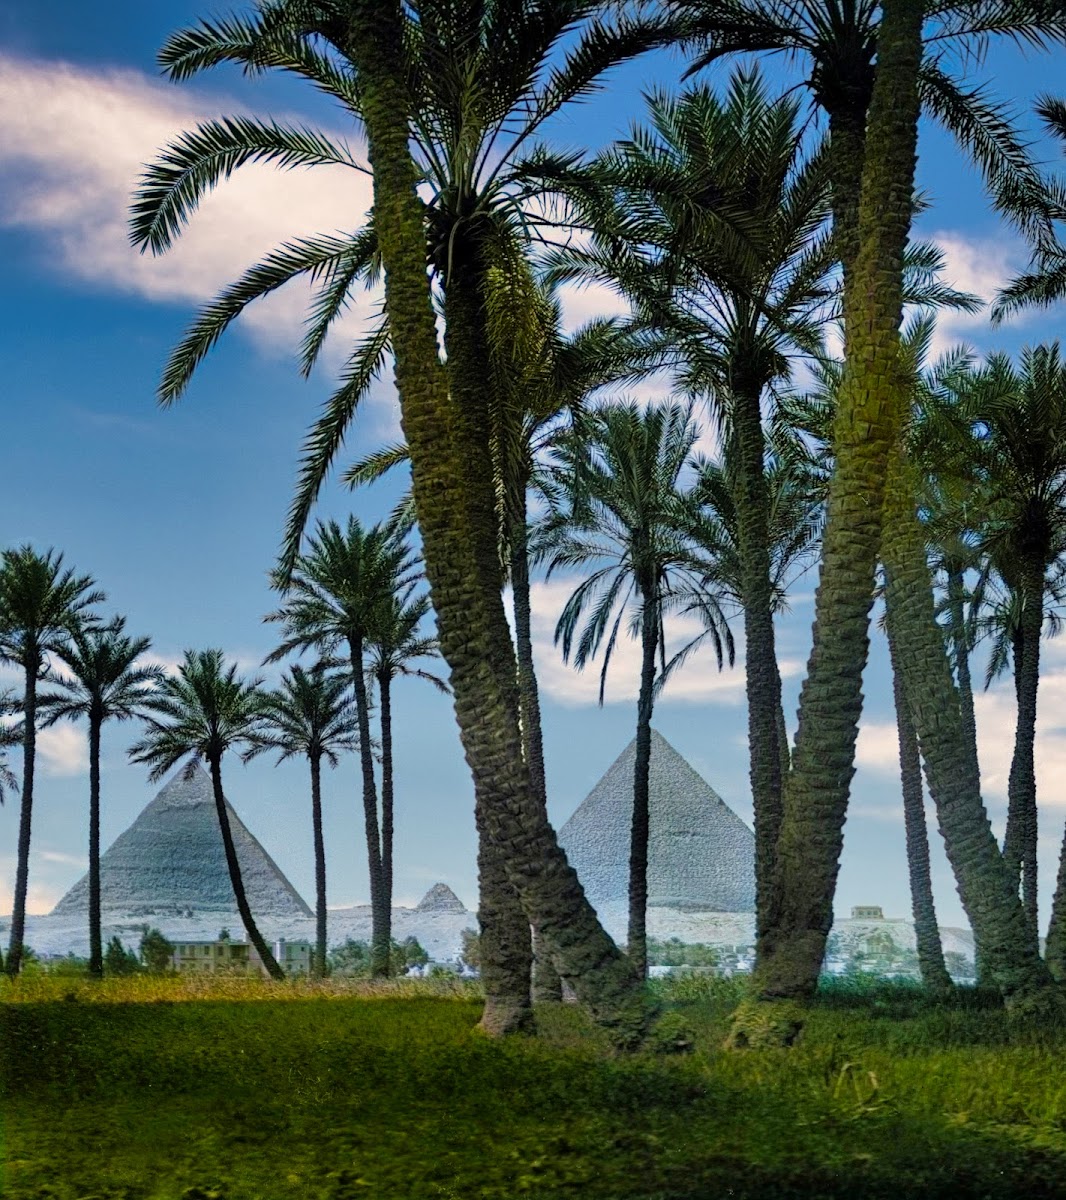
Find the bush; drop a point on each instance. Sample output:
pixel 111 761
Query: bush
pixel 118 960
pixel 471 951
pixel 353 957
pixel 156 951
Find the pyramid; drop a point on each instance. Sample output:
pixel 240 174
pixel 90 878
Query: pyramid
pixel 172 859
pixel 701 855
pixel 440 898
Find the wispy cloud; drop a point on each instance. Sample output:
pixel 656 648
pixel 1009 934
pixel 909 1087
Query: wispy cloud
pixel 75 142
pixel 63 750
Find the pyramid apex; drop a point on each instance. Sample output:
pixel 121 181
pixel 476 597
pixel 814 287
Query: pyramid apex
pixel 440 898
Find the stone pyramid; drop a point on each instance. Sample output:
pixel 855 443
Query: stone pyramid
pixel 701 855
pixel 440 898
pixel 171 859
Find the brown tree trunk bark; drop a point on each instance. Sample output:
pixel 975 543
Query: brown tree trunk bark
pixel 1006 937
pixel 547 986
pixel 22 869
pixel 380 941
pixel 464 581
pixel 931 965
pixel 637 934
pixel 96 948
pixel 868 418
pixel 320 866
pixel 1020 843
pixel 236 881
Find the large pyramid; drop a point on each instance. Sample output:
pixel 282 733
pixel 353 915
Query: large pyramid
pixel 701 855
pixel 171 859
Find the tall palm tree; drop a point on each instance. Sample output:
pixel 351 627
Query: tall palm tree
pixel 334 599
pixel 198 714
pixel 620 504
pixel 1044 283
pixel 491 66
pixel 396 643
pixel 311 715
pixel 40 602
pixel 713 220
pixel 836 41
pixel 104 683
pixel 1021 413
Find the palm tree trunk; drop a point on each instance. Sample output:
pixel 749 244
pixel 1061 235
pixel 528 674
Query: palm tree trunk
pixel 474 636
pixel 1055 949
pixel 960 640
pixel 385 692
pixel 234 867
pixel 96 948
pixel 1004 934
pixel 22 869
pixel 379 914
pixel 847 144
pixel 931 965
pixel 547 986
pixel 1019 847
pixel 823 760
pixel 762 678
pixel 637 936
pixel 505 929
pixel 320 865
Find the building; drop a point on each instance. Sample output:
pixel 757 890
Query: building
pixel 219 955
pixel 867 912
pixel 239 957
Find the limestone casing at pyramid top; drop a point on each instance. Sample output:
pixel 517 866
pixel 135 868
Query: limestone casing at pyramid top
pixel 701 855
pixel 172 859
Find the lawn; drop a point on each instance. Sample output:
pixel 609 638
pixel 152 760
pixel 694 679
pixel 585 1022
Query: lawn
pixel 155 1090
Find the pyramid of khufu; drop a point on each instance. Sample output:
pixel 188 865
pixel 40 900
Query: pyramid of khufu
pixel 171 860
pixel 701 855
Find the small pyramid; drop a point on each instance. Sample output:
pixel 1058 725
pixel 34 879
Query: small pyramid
pixel 440 898
pixel 701 855
pixel 172 857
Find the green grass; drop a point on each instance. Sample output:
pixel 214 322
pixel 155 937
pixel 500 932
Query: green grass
pixel 163 1093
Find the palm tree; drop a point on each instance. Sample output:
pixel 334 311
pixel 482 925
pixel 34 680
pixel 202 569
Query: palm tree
pixel 619 503
pixel 1045 282
pixel 837 41
pixel 713 222
pixel 104 684
pixel 1021 413
pixel 395 644
pixel 490 69
pixel 200 713
pixel 40 601
pixel 335 598
pixel 310 715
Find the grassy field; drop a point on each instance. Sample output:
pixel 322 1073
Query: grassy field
pixel 160 1089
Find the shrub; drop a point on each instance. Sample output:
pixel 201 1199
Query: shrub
pixel 156 951
pixel 118 960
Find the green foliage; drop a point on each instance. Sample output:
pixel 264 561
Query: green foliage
pixel 156 950
pixel 353 957
pixel 471 948
pixel 332 1098
pixel 118 960
pixel 673 952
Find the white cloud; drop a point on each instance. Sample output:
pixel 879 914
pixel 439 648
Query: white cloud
pixel 581 304
pixel 63 750
pixel 75 142
pixel 66 860
pixel 980 266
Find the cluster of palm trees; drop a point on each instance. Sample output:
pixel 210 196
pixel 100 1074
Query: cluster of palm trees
pixel 737 232
pixel 355 587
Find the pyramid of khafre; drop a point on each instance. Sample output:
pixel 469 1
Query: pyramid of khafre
pixel 172 857
pixel 701 855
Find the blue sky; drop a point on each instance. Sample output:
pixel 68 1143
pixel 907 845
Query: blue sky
pixel 178 514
